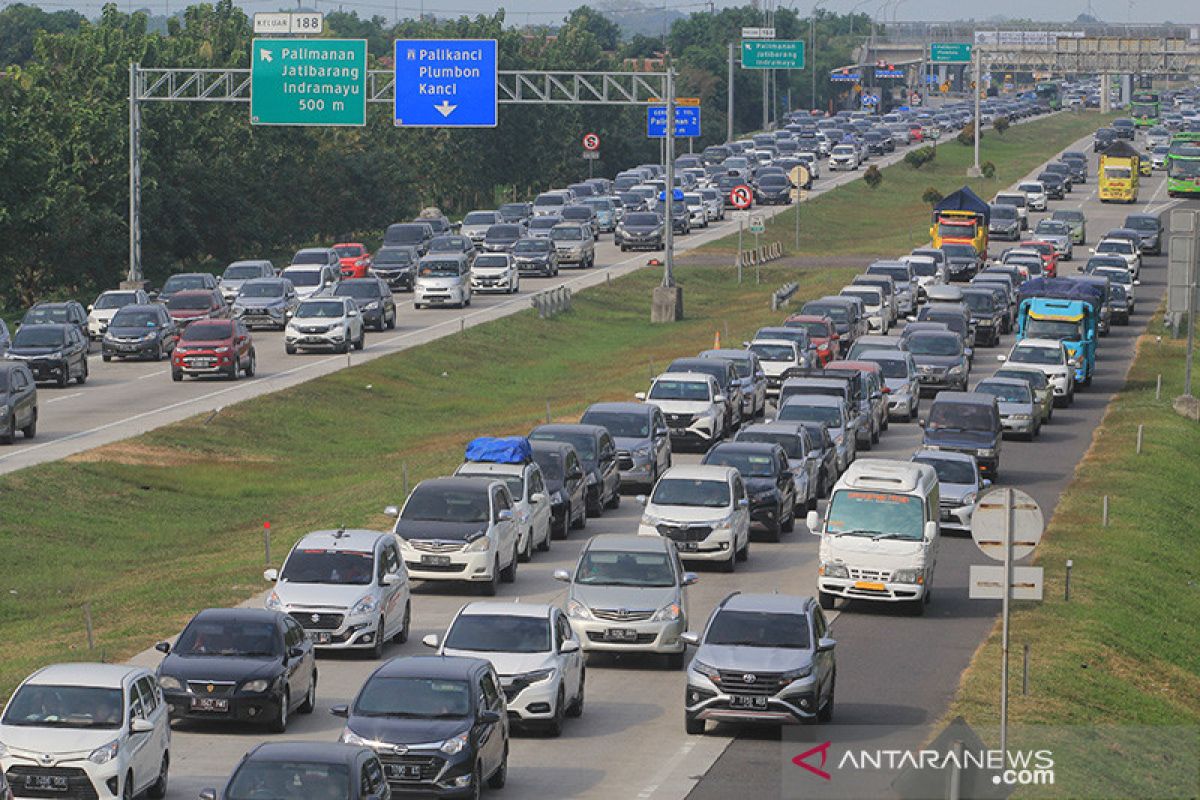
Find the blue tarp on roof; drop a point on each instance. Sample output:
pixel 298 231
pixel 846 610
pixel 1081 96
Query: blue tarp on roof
pixel 1062 289
pixel 500 450
pixel 963 200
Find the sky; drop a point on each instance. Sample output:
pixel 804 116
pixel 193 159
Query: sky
pixel 547 11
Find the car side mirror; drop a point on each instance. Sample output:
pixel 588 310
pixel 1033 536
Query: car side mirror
pixel 689 578
pixel 208 794
pixel 1001 357
pixel 569 646
pixel 641 499
pixel 391 511
pixel 576 475
pixel 921 422
pixel 430 640
pixel 825 644
pixel 639 395
pixel 504 515
pixel 91 308
pixel 340 711
pixel 389 579
pixel 537 497
pixel 690 638
pixel 813 521
pixel 911 318
pixel 985 483
pixel 969 352
pixel 271 575
pixel 562 575
pixel 489 717
pixel 743 503
pixel 163 647
pixel 661 432
pixel 931 529
pixel 1137 283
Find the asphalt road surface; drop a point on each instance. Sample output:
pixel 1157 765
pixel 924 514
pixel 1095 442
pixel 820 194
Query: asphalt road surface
pixel 630 743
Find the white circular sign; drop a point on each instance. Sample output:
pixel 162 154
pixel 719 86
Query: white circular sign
pixel 591 141
pixel 992 514
pixel 741 196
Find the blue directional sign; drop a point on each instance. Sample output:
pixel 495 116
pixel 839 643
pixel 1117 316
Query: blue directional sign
pixel 687 122
pixel 888 72
pixel 846 76
pixel 446 83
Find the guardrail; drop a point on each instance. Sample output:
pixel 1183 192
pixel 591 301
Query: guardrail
pixel 781 296
pixel 760 255
pixel 551 302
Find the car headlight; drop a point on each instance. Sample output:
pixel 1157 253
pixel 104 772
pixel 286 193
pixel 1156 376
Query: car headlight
pixel 537 676
pixel 260 685
pixel 148 336
pixel 105 753
pixel 724 524
pixel 1021 417
pixel 795 674
pixel 834 571
pixel 220 349
pixel 237 310
pixel 668 613
pixel 480 544
pixel 712 673
pixel 986 452
pixel 273 602
pixel 970 498
pixel 455 744
pixel 765 494
pixel 908 576
pixel 957 369
pixel 371 306
pixel 3 411
pixel 577 610
pixel 365 605
pixel 170 683
pixel 350 737
pixel 651 520
pixel 641 452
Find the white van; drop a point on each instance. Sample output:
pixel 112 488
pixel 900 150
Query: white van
pixel 443 279
pixel 880 534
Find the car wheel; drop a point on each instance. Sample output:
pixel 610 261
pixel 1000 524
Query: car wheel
pixel 773 529
pixel 509 573
pixel 615 500
pixel 127 791
pixel 157 354
pixel 251 365
pixel 402 636
pixel 554 727
pixel 290 349
pixel 580 523
pixel 693 726
pixel 361 342
pixel 826 600
pixel 788 525
pixel 310 699
pixel 380 633
pixel 488 588
pixel 594 506
pixel 825 714
pixel 10 432
pixel 500 776
pixel 526 555
pixel 105 357
pixel 65 377
pixel 176 375
pixel 30 430
pixel 544 545
pixel 575 709
pixel 730 564
pixel 158 789
pixel 279 724
pixel 234 369
pixel 675 660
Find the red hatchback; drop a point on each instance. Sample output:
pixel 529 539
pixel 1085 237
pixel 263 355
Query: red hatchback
pixel 1048 253
pixel 196 304
pixel 820 332
pixel 214 347
pixel 355 259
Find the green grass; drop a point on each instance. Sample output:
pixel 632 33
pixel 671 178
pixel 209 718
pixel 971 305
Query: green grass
pixel 1125 650
pixel 892 218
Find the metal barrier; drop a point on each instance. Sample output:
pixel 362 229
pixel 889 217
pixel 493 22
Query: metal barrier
pixel 760 255
pixel 551 302
pixel 781 296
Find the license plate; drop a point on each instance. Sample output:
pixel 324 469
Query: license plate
pixel 870 585
pixel 686 547
pixel 202 362
pixel 322 638
pixel 403 772
pixel 621 634
pixel 312 340
pixel 436 561
pixel 128 348
pixel 748 701
pixel 47 783
pixel 210 704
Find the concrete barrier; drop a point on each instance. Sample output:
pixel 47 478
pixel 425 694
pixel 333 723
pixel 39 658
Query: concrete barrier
pixel 551 302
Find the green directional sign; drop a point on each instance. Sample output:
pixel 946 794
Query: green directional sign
pixel 772 54
pixel 950 53
pixel 308 82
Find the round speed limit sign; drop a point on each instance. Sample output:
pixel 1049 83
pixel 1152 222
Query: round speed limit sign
pixel 591 142
pixel 741 196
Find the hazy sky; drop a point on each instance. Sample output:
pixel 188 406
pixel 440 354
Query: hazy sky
pixel 521 11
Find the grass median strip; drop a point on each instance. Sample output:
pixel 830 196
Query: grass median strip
pixel 893 218
pixel 1115 672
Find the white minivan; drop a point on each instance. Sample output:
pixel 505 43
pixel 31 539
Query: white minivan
pixel 443 279
pixel 880 534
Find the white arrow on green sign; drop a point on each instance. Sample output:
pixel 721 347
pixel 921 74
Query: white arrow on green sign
pixel 773 54
pixel 308 82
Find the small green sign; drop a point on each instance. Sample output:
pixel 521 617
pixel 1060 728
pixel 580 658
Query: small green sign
pixel 308 82
pixel 950 53
pixel 772 54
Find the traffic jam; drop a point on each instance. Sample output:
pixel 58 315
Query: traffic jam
pixel 729 455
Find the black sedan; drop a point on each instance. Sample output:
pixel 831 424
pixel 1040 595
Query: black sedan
pixel 243 664
pixel 770 486
pixel 774 189
pixel 444 718
pixel 56 352
pixel 640 229
pixel 308 770
pixel 140 331
pixel 397 266
pixel 536 257
pixel 18 403
pixel 66 313
pixel 374 300
pixel 566 484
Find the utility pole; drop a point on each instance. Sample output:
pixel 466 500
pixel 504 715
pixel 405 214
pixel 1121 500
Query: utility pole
pixel 812 45
pixel 975 172
pixel 667 299
pixel 729 102
pixel 134 277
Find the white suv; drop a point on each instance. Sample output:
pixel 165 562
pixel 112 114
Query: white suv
pixel 844 156
pixel 777 356
pixel 458 529
pixel 101 312
pixel 312 281
pixel 86 730
pixel 531 501
pixel 703 510
pixel 325 322
pixel 692 404
pixel 495 272
pixel 347 588
pixel 1051 357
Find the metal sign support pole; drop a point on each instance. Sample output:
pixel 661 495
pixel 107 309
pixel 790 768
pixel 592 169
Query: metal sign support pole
pixel 978 124
pixel 729 99
pixel 669 195
pixel 1008 536
pixel 741 222
pixel 1191 336
pixel 135 178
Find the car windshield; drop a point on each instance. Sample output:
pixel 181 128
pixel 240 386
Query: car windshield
pixel 792 444
pixel 691 492
pixel 303 277
pixel 322 565
pixel 570 233
pixel 1141 223
pixel 433 503
pixel 934 345
pixel 759 629
pixel 189 302
pixel 480 218
pixel 514 210
pixel 233 637
pixel 1035 378
pixel 131 319
pixel 644 220
pixel 515 483
pixel 891 367
pixel 363 291
pixel 814 328
pixel 750 465
pixel 615 568
pixel 393 256
pixel 696 391
pixel 44 314
pixel 498 261
pixel 1116 275
pixel 241 272
pixel 630 425
pixel 1064 330
pixel 311 257
pixel 206 332
pixel 1004 212
pixel 350 251
pixel 978 301
pixel 839 314
pixel 428 698
pixel 949 470
pixel 550 200
pixel 499 633
pixel 261 290
pixel 114 300
pixel 551 465
pixel 507 233
pixel 320 309
pixel 960 416
pixel 39 336
pixel 177 283
pixel 1004 392
pixel 1031 188
pixel 531 247
pixel 959 250
pixel 584 443
pixel 774 352
pixel 46 706
pixel 1053 227
pixel 405 233
pixel 1036 355
pixel 880 515
pixel 439 269
pixel 260 779
pixel 803 412
pixel 449 244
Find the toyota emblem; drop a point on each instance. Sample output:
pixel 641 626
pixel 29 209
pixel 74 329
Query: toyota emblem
pixel 47 759
pixel 623 612
pixel 399 749
pixel 749 678
pixel 315 617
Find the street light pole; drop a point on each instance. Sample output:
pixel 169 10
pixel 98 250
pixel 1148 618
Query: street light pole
pixel 729 101
pixel 669 224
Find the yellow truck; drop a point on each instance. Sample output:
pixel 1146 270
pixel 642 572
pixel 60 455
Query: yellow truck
pixel 961 218
pixel 1120 171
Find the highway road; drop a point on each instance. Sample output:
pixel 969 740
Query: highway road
pixel 123 399
pixel 629 743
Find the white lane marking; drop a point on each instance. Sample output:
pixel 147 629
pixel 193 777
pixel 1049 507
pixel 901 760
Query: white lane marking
pixel 64 397
pixel 149 375
pixel 649 789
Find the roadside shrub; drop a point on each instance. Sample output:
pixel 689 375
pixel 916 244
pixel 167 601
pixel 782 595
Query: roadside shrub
pixel 932 196
pixel 1000 125
pixel 967 135
pixel 920 157
pixel 988 169
pixel 873 177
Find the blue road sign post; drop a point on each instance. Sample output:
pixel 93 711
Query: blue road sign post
pixel 446 83
pixel 687 122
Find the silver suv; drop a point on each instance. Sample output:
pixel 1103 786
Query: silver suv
pixel 764 658
pixel 575 244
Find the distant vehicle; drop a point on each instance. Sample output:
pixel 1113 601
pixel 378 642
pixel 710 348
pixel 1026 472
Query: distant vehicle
pixel 237 273
pixel 768 481
pixel 443 279
pixel 475 224
pixel 959 485
pixel 312 281
pixel 575 244
pixel 354 258
pixel 325 322
pixel 318 257
pixel 140 331
pixel 106 305
pixel 409 234
pixel 214 347
pixel 566 484
pixel 495 272
pixel 185 281
pixel 18 402
pixel 966 422
pixel 65 313
pixel 373 298
pixel 640 229
pixel 641 436
pixel 265 302
pixel 397 265
pixel 52 352
pixel 196 304
pixel 315 769
pixel 536 256
pixel 597 455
